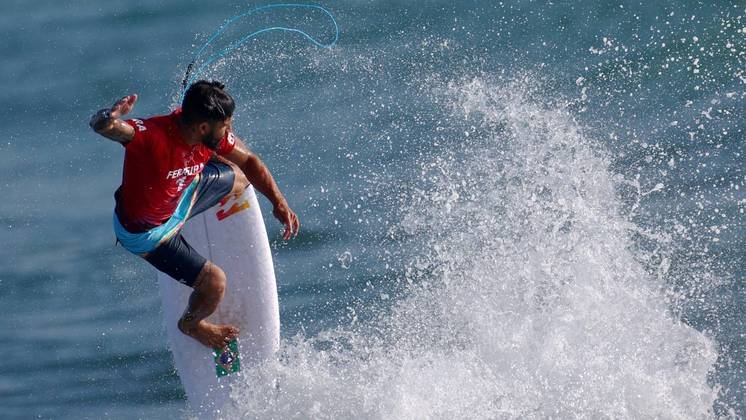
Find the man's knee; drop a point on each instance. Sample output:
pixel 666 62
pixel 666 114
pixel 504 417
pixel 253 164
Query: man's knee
pixel 211 280
pixel 240 182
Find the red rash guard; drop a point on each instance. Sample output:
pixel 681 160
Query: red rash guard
pixel 158 165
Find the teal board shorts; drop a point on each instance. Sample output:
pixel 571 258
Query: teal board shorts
pixel 163 246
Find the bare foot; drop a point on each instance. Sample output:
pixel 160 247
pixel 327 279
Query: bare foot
pixel 209 334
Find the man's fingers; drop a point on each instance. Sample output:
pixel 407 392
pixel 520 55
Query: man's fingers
pixel 295 224
pixel 288 226
pixel 119 104
pixel 128 100
pixel 124 105
pixel 288 218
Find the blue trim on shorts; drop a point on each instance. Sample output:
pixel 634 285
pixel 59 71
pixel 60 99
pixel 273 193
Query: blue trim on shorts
pixel 144 242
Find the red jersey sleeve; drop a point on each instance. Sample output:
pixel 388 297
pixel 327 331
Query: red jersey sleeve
pixel 141 131
pixel 227 144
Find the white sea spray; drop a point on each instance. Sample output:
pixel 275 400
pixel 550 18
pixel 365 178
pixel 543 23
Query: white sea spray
pixel 526 295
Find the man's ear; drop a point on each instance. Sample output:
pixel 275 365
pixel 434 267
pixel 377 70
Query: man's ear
pixel 203 128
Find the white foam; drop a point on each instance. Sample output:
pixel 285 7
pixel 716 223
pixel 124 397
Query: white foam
pixel 527 299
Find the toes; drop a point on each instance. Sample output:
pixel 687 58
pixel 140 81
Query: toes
pixel 215 336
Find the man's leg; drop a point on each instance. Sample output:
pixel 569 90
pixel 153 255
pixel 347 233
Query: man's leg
pixel 219 179
pixel 209 288
pixel 179 260
pixel 183 263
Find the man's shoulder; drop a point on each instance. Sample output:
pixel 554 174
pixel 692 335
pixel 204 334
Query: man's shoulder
pixel 161 122
pixel 158 125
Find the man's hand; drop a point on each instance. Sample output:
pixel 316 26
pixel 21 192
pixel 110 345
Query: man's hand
pixel 107 123
pixel 288 218
pixel 123 106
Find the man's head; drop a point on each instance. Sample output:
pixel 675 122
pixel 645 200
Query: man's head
pixel 207 109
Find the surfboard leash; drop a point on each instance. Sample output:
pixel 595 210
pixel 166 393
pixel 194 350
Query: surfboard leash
pixel 191 74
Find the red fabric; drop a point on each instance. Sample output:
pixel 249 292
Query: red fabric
pixel 158 166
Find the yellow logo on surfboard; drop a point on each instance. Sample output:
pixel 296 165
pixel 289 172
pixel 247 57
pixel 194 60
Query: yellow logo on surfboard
pixel 237 206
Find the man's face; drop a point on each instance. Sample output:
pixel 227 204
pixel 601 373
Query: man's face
pixel 215 131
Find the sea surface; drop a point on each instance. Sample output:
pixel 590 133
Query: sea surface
pixel 510 209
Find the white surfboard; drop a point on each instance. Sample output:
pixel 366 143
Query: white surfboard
pixel 231 235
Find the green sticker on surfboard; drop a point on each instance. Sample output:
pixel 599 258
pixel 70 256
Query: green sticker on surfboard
pixel 227 360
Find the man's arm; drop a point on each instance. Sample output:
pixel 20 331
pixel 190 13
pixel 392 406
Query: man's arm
pixel 107 122
pixel 260 177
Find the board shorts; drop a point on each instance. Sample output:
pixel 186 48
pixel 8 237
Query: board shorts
pixel 163 246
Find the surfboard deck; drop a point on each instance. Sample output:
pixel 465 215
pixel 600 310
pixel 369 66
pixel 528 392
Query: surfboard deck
pixel 231 235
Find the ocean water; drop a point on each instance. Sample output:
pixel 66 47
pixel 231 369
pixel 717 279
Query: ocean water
pixel 509 209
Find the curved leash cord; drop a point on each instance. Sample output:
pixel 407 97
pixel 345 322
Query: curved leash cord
pixel 190 76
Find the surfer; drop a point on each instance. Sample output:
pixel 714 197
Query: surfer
pixel 175 167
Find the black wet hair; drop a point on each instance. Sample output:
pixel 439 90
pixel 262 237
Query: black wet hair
pixel 207 101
